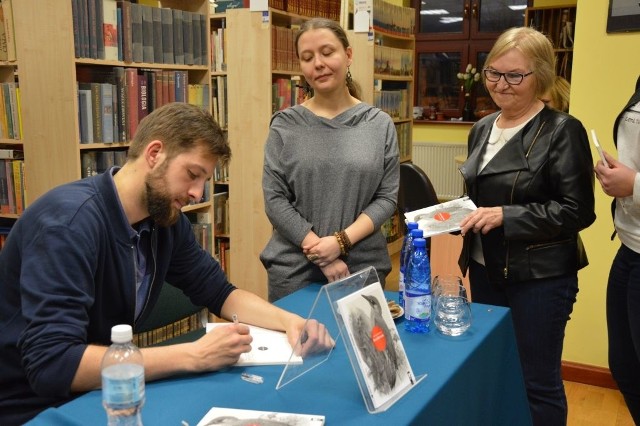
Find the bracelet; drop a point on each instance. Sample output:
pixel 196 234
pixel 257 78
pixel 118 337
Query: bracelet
pixel 344 242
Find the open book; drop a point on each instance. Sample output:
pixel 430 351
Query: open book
pixel 233 416
pixel 269 347
pixel 442 218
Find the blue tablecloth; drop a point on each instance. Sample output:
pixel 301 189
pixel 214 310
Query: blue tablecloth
pixel 472 379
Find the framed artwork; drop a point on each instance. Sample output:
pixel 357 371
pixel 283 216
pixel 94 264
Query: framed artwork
pixel 624 15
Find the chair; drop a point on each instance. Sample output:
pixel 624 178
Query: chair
pixel 416 190
pixel 173 317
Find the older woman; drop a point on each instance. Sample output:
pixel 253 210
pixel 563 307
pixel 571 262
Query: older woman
pixel 530 172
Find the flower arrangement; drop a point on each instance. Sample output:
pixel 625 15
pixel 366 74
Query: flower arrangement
pixel 468 78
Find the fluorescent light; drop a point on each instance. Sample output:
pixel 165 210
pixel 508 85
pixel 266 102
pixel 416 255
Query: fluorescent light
pixel 434 12
pixel 518 7
pixel 450 19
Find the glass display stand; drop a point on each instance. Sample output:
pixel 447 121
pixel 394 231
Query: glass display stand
pixel 325 310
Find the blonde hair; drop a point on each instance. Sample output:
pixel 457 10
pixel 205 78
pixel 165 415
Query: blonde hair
pixel 536 47
pixel 559 94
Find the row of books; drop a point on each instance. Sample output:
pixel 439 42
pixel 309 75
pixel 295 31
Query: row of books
pixel 393 102
pixel 12 187
pixel 404 139
pixel 286 92
pixel 7 32
pixel 283 50
pixel 127 31
pixel 222 252
pixel 221 213
pixel 218 40
pixel 393 18
pixel 393 61
pixel 318 8
pixel 221 173
pixel 10 115
pixel 219 100
pixel 112 101
pixel 96 162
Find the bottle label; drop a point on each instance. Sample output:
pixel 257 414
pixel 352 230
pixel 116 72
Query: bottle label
pixel 123 384
pixel 417 307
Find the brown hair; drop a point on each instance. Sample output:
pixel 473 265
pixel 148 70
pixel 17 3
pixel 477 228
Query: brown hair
pixel 181 127
pixel 341 35
pixel 535 46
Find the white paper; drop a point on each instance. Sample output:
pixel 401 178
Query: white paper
pixel 258 5
pixel 269 347
pixel 234 416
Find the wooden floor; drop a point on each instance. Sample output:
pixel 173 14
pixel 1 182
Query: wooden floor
pixel 588 405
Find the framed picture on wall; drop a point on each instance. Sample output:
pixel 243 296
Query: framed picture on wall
pixel 624 15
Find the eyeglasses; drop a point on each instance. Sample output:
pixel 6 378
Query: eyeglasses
pixel 512 78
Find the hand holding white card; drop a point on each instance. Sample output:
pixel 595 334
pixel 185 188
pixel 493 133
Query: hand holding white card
pixel 598 147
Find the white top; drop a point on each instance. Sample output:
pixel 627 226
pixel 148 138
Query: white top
pixel 627 219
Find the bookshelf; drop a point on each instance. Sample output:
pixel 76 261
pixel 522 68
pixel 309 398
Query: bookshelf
pixel 558 23
pixel 383 65
pixel 49 68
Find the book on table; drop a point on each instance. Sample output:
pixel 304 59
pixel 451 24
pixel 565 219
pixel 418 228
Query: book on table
pixel 269 347
pixel 234 416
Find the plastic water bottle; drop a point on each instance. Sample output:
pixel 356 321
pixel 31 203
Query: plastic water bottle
pixel 417 297
pixel 404 265
pixel 406 246
pixel 123 379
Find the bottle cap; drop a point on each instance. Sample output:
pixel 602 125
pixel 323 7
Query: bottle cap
pixel 412 225
pixel 417 233
pixel 121 333
pixel 419 242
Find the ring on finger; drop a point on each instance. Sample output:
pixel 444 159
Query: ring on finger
pixel 312 257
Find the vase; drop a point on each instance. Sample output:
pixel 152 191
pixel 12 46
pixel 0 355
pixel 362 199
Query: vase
pixel 467 110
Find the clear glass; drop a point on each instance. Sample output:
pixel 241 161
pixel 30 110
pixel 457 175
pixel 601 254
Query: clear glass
pixel 448 284
pixel 452 316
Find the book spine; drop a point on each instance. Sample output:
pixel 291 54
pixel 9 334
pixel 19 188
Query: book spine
pixel 7 9
pixel 126 31
pixel 136 32
pixel 4 191
pixel 158 48
pixel 147 34
pixel 187 37
pixel 167 35
pixel 106 108
pixel 110 29
pixel 178 37
pixel 197 43
pixel 17 185
pixel 131 80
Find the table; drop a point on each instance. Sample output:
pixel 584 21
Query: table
pixel 472 379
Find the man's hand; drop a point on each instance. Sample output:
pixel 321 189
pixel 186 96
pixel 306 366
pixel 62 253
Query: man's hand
pixel 221 347
pixel 315 337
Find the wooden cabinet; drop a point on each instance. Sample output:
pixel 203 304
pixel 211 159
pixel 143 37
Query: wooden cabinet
pixel 558 23
pixel 451 34
pixel 49 70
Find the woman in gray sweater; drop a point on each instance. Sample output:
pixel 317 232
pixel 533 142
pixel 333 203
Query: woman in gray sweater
pixel 331 173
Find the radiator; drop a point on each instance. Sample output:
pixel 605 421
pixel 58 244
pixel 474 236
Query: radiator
pixel 439 163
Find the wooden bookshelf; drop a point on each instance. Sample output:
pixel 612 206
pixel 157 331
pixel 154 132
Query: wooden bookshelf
pixel 383 79
pixel 550 20
pixel 48 71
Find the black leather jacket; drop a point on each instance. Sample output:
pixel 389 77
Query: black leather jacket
pixel 543 179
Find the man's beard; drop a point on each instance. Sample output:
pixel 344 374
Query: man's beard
pixel 159 202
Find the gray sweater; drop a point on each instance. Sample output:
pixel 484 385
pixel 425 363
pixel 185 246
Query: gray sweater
pixel 319 175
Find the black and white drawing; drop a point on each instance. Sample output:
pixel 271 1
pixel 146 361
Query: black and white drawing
pixel 378 348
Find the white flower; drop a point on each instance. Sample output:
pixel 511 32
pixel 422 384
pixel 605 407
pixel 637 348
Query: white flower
pixel 460 76
pixel 468 68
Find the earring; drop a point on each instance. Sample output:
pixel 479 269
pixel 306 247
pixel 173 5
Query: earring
pixel 349 77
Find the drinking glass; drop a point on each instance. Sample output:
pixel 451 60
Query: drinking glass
pixel 452 315
pixel 448 283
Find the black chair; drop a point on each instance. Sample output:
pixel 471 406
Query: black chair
pixel 416 190
pixel 173 318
